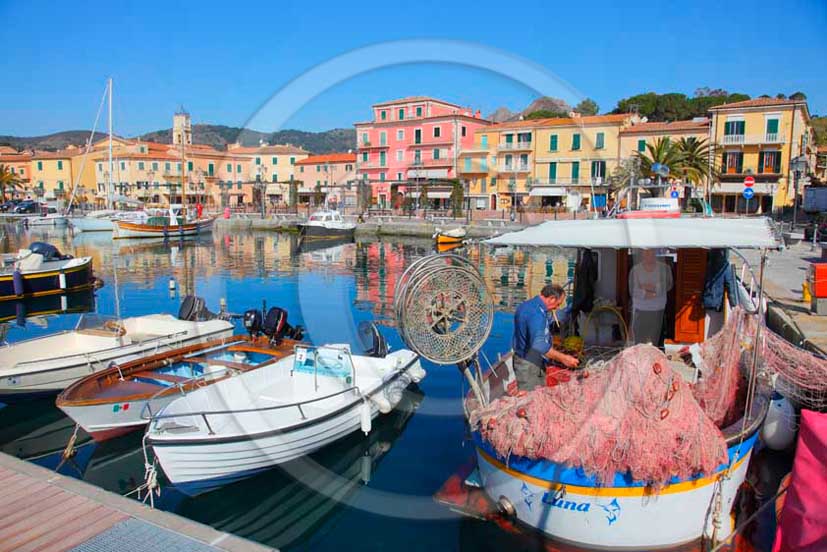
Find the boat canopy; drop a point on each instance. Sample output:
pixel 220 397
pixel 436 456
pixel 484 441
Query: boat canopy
pixel 644 233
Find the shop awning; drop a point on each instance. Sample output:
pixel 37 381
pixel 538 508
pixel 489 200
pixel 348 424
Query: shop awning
pixel 547 191
pixel 427 173
pixel 433 195
pixel 643 233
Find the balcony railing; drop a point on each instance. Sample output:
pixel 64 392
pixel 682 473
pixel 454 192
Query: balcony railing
pixel 586 181
pixel 373 165
pixel 473 168
pixel 752 139
pixel 372 145
pixel 514 168
pixel 442 161
pixel 512 146
pixel 431 141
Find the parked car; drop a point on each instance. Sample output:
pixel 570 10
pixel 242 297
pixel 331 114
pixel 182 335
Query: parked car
pixel 27 206
pixel 8 206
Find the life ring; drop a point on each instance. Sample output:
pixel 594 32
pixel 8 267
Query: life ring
pixel 115 327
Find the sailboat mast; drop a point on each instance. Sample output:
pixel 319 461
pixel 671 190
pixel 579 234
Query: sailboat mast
pixel 183 185
pixel 111 167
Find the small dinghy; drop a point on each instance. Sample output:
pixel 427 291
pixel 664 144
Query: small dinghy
pixel 123 397
pixel 450 237
pixel 42 270
pixel 248 423
pixel 50 363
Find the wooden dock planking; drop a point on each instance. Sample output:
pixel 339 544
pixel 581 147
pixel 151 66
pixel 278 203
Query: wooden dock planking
pixel 41 511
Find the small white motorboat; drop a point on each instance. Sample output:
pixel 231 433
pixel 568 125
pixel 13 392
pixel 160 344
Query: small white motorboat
pixel 250 422
pixel 326 224
pixel 103 220
pixel 48 364
pixel 49 219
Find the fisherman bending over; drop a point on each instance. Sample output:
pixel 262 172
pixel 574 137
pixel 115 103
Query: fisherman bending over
pixel 532 339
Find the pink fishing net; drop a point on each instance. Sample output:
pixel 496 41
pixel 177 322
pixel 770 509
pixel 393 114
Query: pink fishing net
pixel 637 415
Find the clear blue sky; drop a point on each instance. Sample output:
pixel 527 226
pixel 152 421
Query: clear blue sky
pixel 223 60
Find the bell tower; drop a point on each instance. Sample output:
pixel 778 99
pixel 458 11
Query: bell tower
pixel 181 127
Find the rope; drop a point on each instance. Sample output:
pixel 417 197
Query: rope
pixel 150 484
pixel 69 450
pixel 749 519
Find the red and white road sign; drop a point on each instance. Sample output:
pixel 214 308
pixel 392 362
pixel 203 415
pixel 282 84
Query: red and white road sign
pixel 749 182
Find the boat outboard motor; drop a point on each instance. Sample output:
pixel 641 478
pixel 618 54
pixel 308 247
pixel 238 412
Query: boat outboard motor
pixel 252 321
pixel 276 327
pixel 49 251
pixel 373 343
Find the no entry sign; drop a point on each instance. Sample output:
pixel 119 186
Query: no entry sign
pixel 749 182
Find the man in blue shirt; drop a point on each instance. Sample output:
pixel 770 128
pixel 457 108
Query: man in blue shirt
pixel 532 339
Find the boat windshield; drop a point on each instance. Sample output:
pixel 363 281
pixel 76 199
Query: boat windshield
pixel 101 322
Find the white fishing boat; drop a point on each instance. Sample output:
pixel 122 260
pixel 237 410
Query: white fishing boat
pixel 276 413
pixel 48 364
pixel 326 224
pixel 42 270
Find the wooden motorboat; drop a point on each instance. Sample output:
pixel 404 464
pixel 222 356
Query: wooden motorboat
pixel 41 270
pixel 450 237
pixel 171 225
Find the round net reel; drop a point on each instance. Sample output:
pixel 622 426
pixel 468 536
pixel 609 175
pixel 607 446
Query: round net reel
pixel 443 308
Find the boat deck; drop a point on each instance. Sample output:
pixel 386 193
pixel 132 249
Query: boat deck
pixel 44 511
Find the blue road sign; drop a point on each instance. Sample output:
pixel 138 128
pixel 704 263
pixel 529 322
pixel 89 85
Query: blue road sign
pixel 675 194
pixel 748 193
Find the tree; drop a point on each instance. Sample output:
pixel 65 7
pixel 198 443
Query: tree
pixel 663 151
pixel 8 181
pixel 587 107
pixel 457 197
pixel 545 114
pixel 423 194
pixel 780 96
pixel 695 156
pixel 798 96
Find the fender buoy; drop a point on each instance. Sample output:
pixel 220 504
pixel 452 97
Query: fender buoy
pixel 17 282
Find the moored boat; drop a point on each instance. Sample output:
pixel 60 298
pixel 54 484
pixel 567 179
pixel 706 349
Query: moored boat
pixel 326 224
pixel 48 364
pixel 122 398
pixel 172 225
pixel 42 270
pixel 450 237
pixel 104 220
pixel 276 413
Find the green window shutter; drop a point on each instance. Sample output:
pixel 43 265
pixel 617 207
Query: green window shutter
pixel 467 164
pixel 484 140
pixel 436 154
pixel 740 167
pixel 419 112
pixel 552 142
pixel 382 158
pixel 772 126
pixel 383 114
pixel 59 184
pixel 210 169
pixel 493 182
pixel 401 114
pixel 189 166
pixel 776 166
pixel 274 161
pixel 40 165
pixel 166 166
pixel 509 138
pixel 258 160
pixel 123 166
pixel 292 160
pixel 238 168
pixel 641 145
pixel 60 165
pixel 740 127
pixel 600 140
pixel 760 161
pixel 575 142
pixel 723 161
pixel 275 178
pixel 140 165
pixel 229 167
pixel 154 166
pixel 239 185
pixel 552 172
pixel 364 157
pixel 575 171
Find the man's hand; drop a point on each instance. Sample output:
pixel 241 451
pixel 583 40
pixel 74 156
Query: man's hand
pixel 569 361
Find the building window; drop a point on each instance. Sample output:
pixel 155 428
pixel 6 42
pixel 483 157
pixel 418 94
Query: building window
pixel 467 164
pixel 401 114
pixel 419 111
pixel 484 164
pixel 732 162
pixel 292 160
pixel 552 142
pixel 436 154
pixel 100 167
pixel 274 161
pixel 417 157
pixel 239 185
pixel 156 185
pixel 437 132
pixel 210 169
pixel 418 136
pixel 575 142
pixel 382 158
pixel 575 172
pixel 598 169
pixel 399 155
pixel 383 138
pixel 482 185
pixel 399 176
pixel 772 129
pixel 229 168
pixel 400 135
pixel 123 166
pixel 60 165
pixel 364 157
pixel 140 165
pixel 318 168
pixel 552 172
pixel 769 161
pixel 641 145
pixel 365 138
pixel 178 166
pixel 154 165
pixel 381 177
pixel 166 166
pixel 301 169
pixel 275 177
pixel 734 128
pixel 463 131
pixel 238 168
pixel 599 142
pixel 258 160
pixel 484 141
pixel 383 115
pixel 40 165
pixel 59 184
pixel 189 166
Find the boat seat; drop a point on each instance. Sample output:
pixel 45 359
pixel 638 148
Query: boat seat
pixel 30 262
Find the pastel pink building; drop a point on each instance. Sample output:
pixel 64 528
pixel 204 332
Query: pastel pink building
pixel 410 141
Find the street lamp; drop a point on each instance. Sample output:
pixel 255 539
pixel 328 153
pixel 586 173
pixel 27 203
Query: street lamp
pixel 798 165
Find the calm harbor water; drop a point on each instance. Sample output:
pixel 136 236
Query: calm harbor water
pixel 361 493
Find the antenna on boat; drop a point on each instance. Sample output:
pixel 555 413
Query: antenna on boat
pixel 445 312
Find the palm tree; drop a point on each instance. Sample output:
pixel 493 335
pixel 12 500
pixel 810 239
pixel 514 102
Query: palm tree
pixel 8 181
pixel 696 154
pixel 663 151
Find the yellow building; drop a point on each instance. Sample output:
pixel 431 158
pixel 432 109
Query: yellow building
pixel 635 138
pixel 759 138
pixel 275 165
pixel 543 162
pixel 51 174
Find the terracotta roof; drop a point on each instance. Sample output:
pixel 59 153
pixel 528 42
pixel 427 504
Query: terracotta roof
pixel 328 158
pixel 409 99
pixel 6 158
pixel 673 126
pixel 559 121
pixel 7 150
pixel 758 102
pixel 54 154
pixel 277 149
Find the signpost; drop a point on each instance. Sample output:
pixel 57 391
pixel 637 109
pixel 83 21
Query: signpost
pixel 748 192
